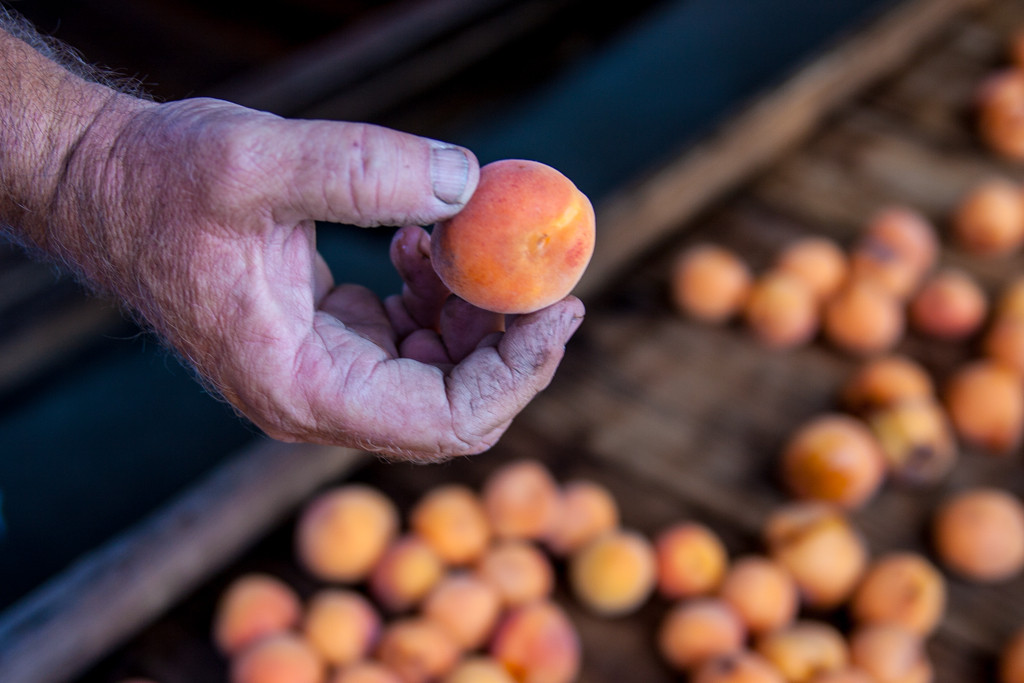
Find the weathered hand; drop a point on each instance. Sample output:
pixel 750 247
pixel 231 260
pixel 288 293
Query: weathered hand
pixel 201 216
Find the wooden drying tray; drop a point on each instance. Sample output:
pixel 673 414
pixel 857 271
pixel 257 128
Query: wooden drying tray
pixel 66 625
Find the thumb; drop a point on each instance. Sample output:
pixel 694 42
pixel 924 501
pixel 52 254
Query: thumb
pixel 370 175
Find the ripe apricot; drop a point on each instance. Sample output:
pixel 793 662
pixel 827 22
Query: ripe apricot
pixel 883 381
pixel 986 405
pixel 709 282
pixel 1000 101
pixel 407 570
pixel 916 439
pixel 781 310
pixel 278 658
pixel 251 607
pixel 697 630
pixel 615 573
pixel 522 241
pixel 896 249
pixel 522 500
pixel 341 625
pixel 834 458
pixel 452 520
pixel 979 534
pixel 804 649
pixel 466 606
pixel 367 671
pixel 1011 659
pixel 479 669
pixel 343 532
pixel 417 650
pixel 739 667
pixel 1004 343
pixel 890 653
pixel 990 218
pixel 901 588
pixel 518 570
pixel 587 510
pixel 818 261
pixel 819 547
pixel 537 643
pixel 691 560
pixel 762 593
pixel 862 318
pixel 949 305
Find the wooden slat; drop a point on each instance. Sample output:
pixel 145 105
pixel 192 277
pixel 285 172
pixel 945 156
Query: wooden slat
pixel 636 219
pixel 68 623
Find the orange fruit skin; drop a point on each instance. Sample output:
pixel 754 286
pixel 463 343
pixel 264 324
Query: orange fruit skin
pixel 522 241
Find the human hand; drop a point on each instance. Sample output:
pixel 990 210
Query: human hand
pixel 201 216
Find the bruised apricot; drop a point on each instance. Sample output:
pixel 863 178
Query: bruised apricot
pixel 522 500
pixel 804 649
pixel 883 381
pixel 901 588
pixel 407 570
pixel 781 310
pixel 709 283
pixel 818 261
pixel 587 510
pixel 833 458
pixel 615 573
pixel 1011 659
pixel 896 249
pixel 691 560
pixel 986 405
pixel 949 305
pixel 278 658
pixel 452 520
pixel 341 625
pixel 762 593
pixel 890 654
pixel 738 667
pixel 522 241
pixel 518 570
pixel 537 643
pixel 697 630
pixel 417 650
pixel 990 218
pixel 252 607
pixel 979 534
pixel 343 532
pixel 466 606
pixel 916 439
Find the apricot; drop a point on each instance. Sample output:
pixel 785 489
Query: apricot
pixel 862 318
pixel 466 606
pixel 834 458
pixel 537 643
pixel 697 630
pixel 1000 119
pixel 804 649
pixel 1010 302
pixel 278 658
pixel 883 381
pixel 1004 343
pixel 762 593
pixel 522 500
pixel 739 667
pixel 479 669
pixel 417 650
pixel 890 654
pixel 896 249
pixel 408 569
pixel 846 675
pixel 819 547
pixel 979 534
pixel 366 672
pixel 341 625
pixel 901 588
pixel 986 405
pixel 818 261
pixel 990 218
pixel 615 573
pixel 916 439
pixel 1011 659
pixel 587 510
pixel 342 532
pixel 781 310
pixel 452 520
pixel 522 241
pixel 251 607
pixel 518 570
pixel 709 283
pixel 949 305
pixel 691 560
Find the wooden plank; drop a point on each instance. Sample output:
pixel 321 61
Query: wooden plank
pixel 67 624
pixel 639 217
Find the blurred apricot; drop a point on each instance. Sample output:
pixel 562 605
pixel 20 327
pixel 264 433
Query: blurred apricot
pixel 697 630
pixel 522 500
pixel 804 649
pixel 916 439
pixel 986 405
pixel 949 305
pixel 588 509
pixel 990 218
pixel 518 570
pixel 890 654
pixel 739 667
pixel 863 319
pixel 341 625
pixel 367 671
pixel 278 658
pixel 691 560
pixel 1000 101
pixel 615 573
pixel 896 249
pixel 251 607
pixel 979 534
pixel 1004 343
pixel 407 570
pixel 466 606
pixel 709 283
pixel 819 261
pixel 417 650
pixel 1011 659
pixel 762 593
pixel 452 520
pixel 479 669
pixel 781 310
pixel 537 643
pixel 886 380
pixel 901 588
